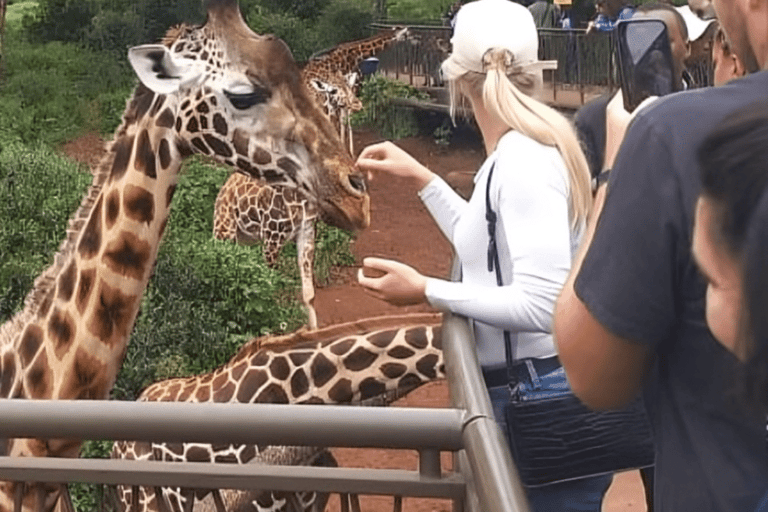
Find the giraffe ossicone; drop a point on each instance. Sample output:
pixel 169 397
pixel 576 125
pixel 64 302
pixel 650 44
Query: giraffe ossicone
pixel 366 362
pixel 220 90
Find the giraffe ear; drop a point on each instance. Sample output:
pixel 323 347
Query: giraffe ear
pixel 159 70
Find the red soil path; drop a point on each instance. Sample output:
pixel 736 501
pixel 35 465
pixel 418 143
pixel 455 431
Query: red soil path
pixel 402 229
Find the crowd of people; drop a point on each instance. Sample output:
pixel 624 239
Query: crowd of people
pixel 631 246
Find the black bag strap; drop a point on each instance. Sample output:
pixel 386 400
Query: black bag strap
pixel 493 264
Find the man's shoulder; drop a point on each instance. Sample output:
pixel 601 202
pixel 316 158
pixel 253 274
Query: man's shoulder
pixel 698 108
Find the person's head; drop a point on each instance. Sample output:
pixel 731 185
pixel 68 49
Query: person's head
pixel 610 8
pixel 730 240
pixel 744 23
pixel 702 8
pixel 494 64
pixel 727 65
pixel 677 31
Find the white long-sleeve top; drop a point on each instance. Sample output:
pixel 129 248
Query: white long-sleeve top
pixel 529 193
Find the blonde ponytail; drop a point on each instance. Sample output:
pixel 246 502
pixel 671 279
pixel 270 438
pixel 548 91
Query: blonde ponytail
pixel 507 89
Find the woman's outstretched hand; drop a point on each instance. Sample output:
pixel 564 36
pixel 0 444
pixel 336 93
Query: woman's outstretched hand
pixel 400 285
pixel 387 158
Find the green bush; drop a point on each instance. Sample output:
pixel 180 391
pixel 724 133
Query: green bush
pixel 391 121
pixel 39 191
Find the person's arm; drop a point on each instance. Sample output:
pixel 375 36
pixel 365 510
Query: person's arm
pixel 530 200
pixel 618 301
pixel 590 353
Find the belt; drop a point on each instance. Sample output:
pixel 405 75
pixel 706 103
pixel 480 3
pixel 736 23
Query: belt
pixel 497 377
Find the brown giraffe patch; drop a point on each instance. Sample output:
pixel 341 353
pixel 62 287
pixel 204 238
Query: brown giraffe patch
pixel 30 344
pixel 202 107
pixel 164 154
pixel 393 370
pixel 260 358
pixel 342 347
pixel 86 380
pixel 157 105
pixel 437 337
pixel 220 380
pixel 113 208
pixel 279 368
pixel 197 454
pixel 200 145
pixel 417 338
pixel 169 195
pixel 225 393
pixel 322 370
pixel 401 353
pixel 250 384
pixel 299 358
pixel 341 392
pixel 45 305
pixel 187 392
pixel 84 287
pixel 61 330
pixel 261 156
pixel 193 126
pixel 113 314
pixel 90 241
pixel 128 255
pixel 240 140
pixel 382 339
pixel 144 161
pixel 238 370
pixel 229 458
pixel 220 124
pixel 299 383
pixel 290 167
pixel 166 119
pixel 37 381
pixel 360 359
pixel 7 374
pixel 139 204
pixel 204 124
pixel 370 387
pixel 218 146
pixel 67 282
pixel 426 366
pixel 123 149
pixel 273 394
pixel 203 394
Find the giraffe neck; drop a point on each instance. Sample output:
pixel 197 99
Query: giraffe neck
pixel 75 327
pixel 375 367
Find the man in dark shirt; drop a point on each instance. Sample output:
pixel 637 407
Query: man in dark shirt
pixel 631 316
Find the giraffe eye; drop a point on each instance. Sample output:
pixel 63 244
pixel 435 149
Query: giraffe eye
pixel 247 100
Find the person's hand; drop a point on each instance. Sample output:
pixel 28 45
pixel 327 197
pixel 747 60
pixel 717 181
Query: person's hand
pixel 400 285
pixel 617 120
pixel 388 158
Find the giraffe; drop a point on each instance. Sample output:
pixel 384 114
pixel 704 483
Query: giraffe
pixel 247 210
pixel 220 90
pixel 369 362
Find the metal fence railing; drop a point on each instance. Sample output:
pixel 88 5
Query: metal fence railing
pixel 485 477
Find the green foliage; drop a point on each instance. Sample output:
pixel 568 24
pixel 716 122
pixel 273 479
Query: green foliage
pixel 38 193
pixel 54 91
pixel 391 121
pixel 417 10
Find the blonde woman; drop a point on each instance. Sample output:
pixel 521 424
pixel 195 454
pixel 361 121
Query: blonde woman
pixel 540 193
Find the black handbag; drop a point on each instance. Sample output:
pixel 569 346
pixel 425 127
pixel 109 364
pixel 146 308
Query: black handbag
pixel 553 436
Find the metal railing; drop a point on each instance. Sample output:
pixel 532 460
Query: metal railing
pixel 486 478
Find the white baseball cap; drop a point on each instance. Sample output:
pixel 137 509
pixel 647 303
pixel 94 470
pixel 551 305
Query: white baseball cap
pixel 696 26
pixel 486 24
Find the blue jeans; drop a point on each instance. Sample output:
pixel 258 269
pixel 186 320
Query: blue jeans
pixel 583 495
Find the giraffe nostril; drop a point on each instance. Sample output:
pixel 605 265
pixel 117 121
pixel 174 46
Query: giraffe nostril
pixel 357 181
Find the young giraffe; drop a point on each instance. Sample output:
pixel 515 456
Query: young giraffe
pixel 248 210
pixel 371 362
pixel 217 89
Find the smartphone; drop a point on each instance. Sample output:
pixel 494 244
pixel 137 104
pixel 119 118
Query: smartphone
pixel 645 61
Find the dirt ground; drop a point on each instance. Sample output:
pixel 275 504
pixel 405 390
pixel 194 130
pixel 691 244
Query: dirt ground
pixel 402 229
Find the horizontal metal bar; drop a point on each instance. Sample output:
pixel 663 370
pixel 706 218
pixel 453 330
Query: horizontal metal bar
pixel 264 424
pixel 231 476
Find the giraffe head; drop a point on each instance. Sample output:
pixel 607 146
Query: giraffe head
pixel 238 97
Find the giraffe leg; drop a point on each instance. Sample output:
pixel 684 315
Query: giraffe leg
pixel 305 245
